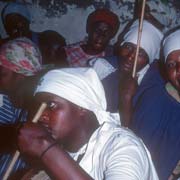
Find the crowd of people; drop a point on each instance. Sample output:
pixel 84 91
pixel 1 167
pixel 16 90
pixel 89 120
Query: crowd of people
pixel 100 122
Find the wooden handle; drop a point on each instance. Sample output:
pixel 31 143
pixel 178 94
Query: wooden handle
pixel 17 153
pixel 39 112
pixel 139 38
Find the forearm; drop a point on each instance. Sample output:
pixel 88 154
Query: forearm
pixel 62 166
pixel 126 110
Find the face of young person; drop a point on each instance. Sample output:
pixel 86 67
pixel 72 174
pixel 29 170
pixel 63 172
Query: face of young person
pixel 16 25
pixel 173 68
pixel 61 117
pixel 99 36
pixel 127 53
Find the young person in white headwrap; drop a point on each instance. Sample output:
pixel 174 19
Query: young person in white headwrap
pixel 157 110
pixel 149 51
pixel 76 138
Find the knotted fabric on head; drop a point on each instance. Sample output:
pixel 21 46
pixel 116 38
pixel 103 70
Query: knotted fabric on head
pixel 22 56
pixel 150 39
pixel 103 15
pixel 171 43
pixel 17 8
pixel 80 86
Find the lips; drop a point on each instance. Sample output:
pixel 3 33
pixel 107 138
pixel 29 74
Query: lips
pixel 127 67
pixel 98 45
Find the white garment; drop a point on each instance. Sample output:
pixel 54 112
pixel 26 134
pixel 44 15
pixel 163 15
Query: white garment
pixel 171 43
pixel 115 153
pixel 141 73
pixel 102 67
pixel 150 39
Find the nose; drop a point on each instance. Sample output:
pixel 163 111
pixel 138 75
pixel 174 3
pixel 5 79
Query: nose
pixel 100 39
pixel 130 56
pixel 44 117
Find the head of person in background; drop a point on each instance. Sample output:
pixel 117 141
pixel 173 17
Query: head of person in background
pixel 171 53
pixel 19 58
pixel 149 49
pixel 16 19
pixel 51 44
pixel 101 27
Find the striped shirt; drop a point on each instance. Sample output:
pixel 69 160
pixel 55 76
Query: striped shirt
pixel 9 115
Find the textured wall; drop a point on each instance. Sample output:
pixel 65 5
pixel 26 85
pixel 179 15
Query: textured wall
pixel 68 17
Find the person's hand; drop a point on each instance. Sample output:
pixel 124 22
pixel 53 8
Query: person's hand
pixel 128 87
pixel 34 139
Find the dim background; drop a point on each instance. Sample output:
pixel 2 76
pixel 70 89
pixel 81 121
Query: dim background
pixel 68 17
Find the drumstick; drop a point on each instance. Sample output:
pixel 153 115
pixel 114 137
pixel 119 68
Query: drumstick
pixel 17 153
pixel 139 38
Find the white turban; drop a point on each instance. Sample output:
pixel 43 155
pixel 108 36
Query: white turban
pixel 150 39
pixel 80 86
pixel 171 43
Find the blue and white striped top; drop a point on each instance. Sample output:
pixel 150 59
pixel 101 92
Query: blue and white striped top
pixel 9 115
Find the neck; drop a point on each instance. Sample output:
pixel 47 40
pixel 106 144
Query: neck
pixel 89 50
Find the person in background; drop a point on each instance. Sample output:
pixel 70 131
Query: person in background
pixel 16 18
pixel 51 44
pixel 157 111
pixel 116 71
pixel 20 59
pixel 76 138
pixel 101 27
pixel 149 51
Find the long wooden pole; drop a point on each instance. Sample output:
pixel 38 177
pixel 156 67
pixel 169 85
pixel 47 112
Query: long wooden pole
pixel 17 153
pixel 139 38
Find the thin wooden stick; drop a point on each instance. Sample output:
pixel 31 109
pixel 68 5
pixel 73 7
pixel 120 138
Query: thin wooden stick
pixel 17 153
pixel 139 38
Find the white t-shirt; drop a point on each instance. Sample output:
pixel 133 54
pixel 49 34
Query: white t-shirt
pixel 117 153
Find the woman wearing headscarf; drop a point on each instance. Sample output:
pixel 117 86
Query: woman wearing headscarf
pixel 102 25
pixel 157 110
pixel 76 138
pixel 16 18
pixel 111 69
pixel 20 59
pixel 149 51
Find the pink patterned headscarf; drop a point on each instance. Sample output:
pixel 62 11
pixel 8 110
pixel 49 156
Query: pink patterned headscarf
pixel 22 56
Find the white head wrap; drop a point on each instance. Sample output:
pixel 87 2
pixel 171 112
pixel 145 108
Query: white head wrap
pixel 150 39
pixel 171 43
pixel 18 8
pixel 80 86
